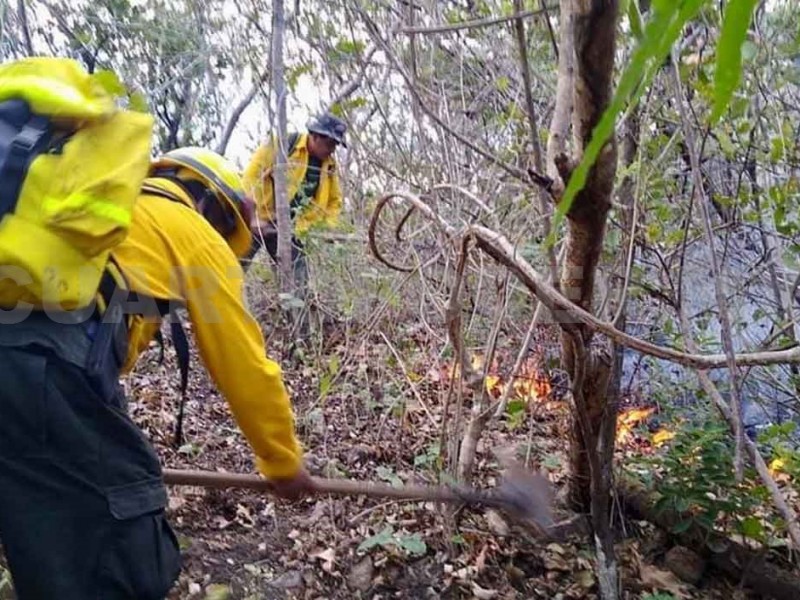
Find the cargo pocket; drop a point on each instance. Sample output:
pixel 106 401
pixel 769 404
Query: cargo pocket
pixel 23 403
pixel 140 558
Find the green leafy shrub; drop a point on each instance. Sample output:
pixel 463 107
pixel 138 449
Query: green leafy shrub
pixel 693 476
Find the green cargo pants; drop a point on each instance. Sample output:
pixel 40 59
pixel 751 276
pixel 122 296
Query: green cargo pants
pixel 81 496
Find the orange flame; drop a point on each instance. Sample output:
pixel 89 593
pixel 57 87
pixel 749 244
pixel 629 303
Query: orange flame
pixel 530 384
pixel 776 466
pixel 662 436
pixel 628 420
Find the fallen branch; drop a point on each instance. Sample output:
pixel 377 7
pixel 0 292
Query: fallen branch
pixel 416 203
pixel 566 312
pixel 332 236
pixel 563 310
pixel 736 561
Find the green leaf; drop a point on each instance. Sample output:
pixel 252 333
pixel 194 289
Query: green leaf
pixel 349 46
pixel 726 144
pixel 289 301
pixel 138 102
pixel 654 231
pixel 325 383
pixel 110 82
pixel 333 364
pixel 752 528
pixel 729 53
pixel 387 474
pixel 551 462
pixel 217 591
pixel 749 50
pixel 515 407
pixel 777 149
pixel 413 544
pixel 502 83
pixel 421 460
pixel 682 504
pixel 635 19
pixel 383 538
pixel 666 22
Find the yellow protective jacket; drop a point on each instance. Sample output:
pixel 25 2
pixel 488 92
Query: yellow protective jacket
pixel 327 202
pixel 173 253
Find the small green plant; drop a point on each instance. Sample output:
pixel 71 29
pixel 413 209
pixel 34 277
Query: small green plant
pixel 784 457
pixel 412 544
pixel 516 410
pixel 429 457
pixel 696 481
pixel 328 375
pixel 389 475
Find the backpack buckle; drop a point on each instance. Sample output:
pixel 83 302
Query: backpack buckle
pixel 28 138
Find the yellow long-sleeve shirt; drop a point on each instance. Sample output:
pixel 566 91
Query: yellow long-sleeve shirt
pixel 173 253
pixel 326 205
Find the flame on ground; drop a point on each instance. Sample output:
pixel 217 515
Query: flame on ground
pixel 662 436
pixel 776 466
pixel 530 383
pixel 629 419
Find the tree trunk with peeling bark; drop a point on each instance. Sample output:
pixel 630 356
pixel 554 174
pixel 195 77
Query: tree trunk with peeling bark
pixel 594 31
pixel 589 34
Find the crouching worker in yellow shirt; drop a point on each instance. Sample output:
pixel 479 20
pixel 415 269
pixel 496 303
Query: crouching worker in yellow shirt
pixel 82 497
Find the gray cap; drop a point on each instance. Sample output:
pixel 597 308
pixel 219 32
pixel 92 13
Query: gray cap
pixel 329 126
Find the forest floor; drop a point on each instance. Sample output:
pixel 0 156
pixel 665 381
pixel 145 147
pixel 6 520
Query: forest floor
pixel 357 419
pixel 246 545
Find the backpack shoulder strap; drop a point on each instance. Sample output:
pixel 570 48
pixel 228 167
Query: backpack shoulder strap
pixel 179 338
pixel 293 139
pixel 291 143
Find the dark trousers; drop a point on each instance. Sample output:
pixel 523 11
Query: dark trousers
pixel 269 240
pixel 81 495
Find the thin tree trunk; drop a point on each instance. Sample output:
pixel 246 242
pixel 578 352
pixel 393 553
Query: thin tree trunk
pixel 284 224
pixel 590 367
pixel 559 125
pixel 719 285
pixel 533 129
pixel 23 21
pixel 594 31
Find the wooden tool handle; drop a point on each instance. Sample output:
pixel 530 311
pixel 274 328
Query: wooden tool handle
pixel 339 487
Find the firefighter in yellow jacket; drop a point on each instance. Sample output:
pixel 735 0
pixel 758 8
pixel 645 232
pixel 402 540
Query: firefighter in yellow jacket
pixel 314 190
pixel 82 498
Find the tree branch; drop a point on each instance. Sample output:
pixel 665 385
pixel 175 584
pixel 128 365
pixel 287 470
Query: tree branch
pixel 23 21
pixel 567 313
pixel 476 23
pixel 722 302
pixel 533 130
pixel 559 125
pixel 510 169
pixel 237 112
pixel 350 88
